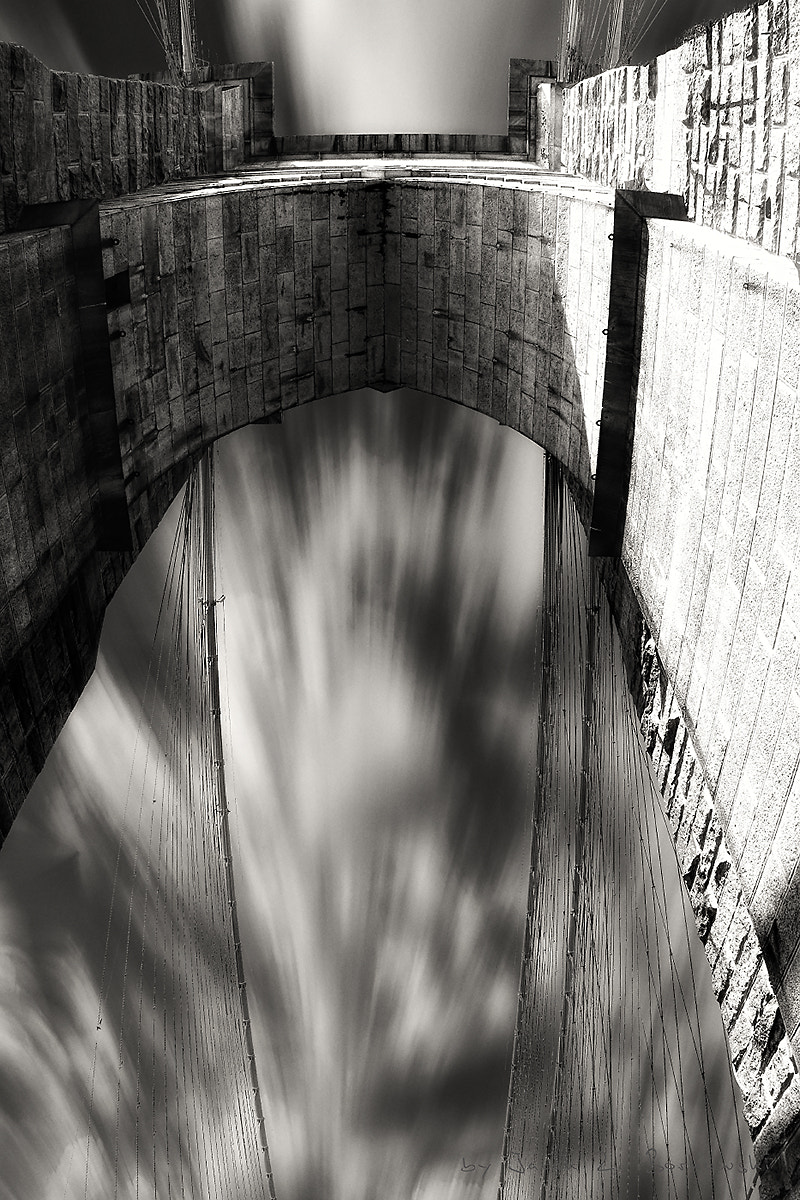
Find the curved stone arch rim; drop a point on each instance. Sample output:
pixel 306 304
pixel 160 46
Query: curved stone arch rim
pixel 760 1122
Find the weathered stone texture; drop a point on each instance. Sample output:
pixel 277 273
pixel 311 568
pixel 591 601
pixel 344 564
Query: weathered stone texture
pixel 237 110
pixel 608 128
pixel 488 286
pixel 53 588
pixel 502 295
pixel 361 144
pixel 716 120
pixel 530 131
pixel 715 461
pixel 249 299
pixel 65 136
pixel 762 1054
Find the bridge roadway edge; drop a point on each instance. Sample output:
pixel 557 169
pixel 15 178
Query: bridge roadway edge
pixel 94 577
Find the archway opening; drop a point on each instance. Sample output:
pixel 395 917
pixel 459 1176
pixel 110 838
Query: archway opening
pixel 382 694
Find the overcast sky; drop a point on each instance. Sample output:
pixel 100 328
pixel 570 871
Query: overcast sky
pixel 387 757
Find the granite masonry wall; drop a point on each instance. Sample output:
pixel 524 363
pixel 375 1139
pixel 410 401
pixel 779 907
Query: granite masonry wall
pixel 249 299
pixel 65 136
pixel 253 295
pixel 712 548
pixel 53 586
pixel 717 120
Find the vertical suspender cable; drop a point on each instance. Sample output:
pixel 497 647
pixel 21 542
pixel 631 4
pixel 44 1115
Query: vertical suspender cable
pixel 602 1112
pixel 206 484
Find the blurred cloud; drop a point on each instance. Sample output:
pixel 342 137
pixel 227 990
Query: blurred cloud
pixel 387 884
pixel 48 30
pixel 427 65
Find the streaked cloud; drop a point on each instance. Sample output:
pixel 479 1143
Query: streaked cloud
pixel 49 30
pixel 428 65
pixel 387 897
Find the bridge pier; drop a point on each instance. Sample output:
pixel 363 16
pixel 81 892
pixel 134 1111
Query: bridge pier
pixel 486 282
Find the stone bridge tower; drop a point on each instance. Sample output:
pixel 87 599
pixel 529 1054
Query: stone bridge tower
pixel 171 269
